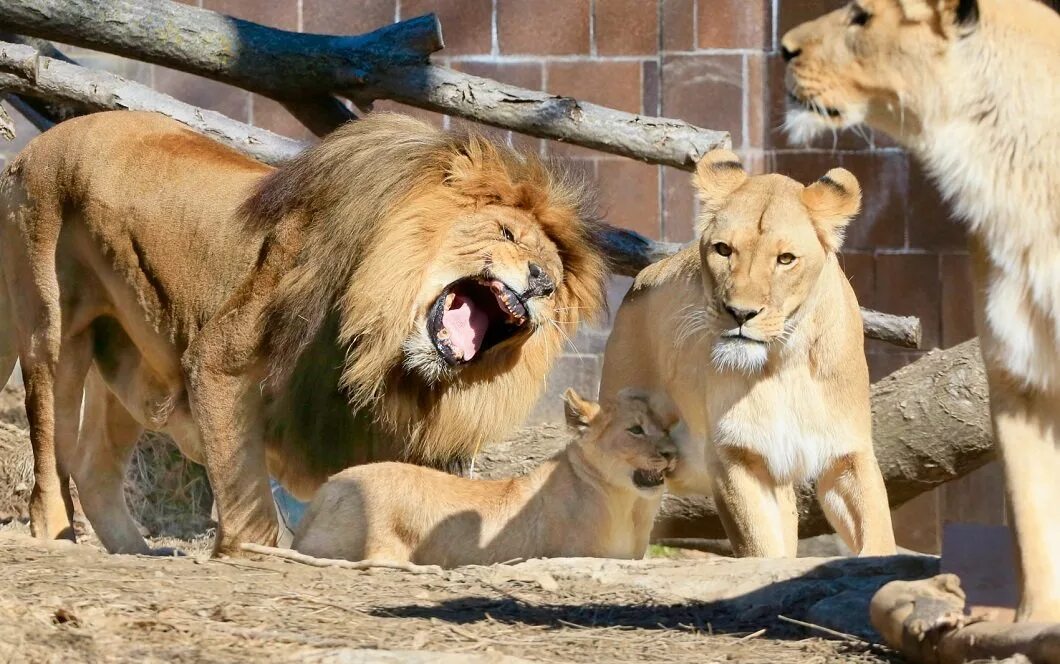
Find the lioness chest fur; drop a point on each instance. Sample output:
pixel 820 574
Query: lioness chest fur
pixel 755 334
pixel 579 503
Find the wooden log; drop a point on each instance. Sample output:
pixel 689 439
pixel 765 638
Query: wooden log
pixel 389 63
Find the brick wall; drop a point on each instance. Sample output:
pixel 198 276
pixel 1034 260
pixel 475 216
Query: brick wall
pixel 711 62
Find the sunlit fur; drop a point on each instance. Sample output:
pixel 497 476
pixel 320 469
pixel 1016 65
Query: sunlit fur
pixel 971 89
pixel 578 503
pixel 788 403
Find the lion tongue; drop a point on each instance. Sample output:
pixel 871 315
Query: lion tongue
pixel 466 325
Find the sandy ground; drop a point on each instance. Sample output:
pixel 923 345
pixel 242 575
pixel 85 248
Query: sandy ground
pixel 74 603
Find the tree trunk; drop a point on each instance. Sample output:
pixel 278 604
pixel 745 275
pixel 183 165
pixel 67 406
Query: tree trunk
pixel 931 425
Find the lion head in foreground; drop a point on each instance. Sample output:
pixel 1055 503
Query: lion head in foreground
pixel 763 244
pixel 449 269
pixel 879 62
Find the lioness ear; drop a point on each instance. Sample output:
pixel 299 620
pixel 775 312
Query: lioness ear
pixel 718 174
pixel 831 202
pixel 579 412
pixel 955 17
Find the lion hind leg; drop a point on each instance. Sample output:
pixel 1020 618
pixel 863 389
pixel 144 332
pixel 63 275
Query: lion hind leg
pixel 108 438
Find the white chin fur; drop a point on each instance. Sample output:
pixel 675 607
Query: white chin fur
pixel 739 355
pixel 802 125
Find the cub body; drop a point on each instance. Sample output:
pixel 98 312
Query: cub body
pixel 756 336
pixel 578 503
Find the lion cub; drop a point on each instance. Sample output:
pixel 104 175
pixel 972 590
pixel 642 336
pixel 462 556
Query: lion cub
pixel 755 334
pixel 578 503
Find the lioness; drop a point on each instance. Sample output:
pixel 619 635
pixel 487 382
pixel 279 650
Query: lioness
pixel 972 88
pixel 578 503
pixel 393 292
pixel 755 334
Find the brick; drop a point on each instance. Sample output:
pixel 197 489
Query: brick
pixel 791 13
pixel 931 226
pixel 916 523
pixel 528 75
pixel 978 497
pixel 347 18
pixel 467 24
pixel 133 70
pixel 734 24
pixel 276 14
pixel 629 195
pixel 226 99
pixel 561 28
pixel 607 83
pixel 860 268
pixel 679 206
pixel 273 116
pixel 626 27
pixel 775 102
pixel 582 372
pixel 651 102
pixel 908 285
pixel 884 191
pixel 678 25
pixel 756 101
pixel 958 299
pixel 705 90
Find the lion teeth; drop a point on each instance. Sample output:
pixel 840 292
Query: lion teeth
pixel 497 287
pixel 443 334
pixel 449 300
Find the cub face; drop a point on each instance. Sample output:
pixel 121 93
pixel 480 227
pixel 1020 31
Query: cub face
pixel 628 438
pixel 764 241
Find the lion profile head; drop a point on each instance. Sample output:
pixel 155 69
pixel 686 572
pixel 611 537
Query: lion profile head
pixel 764 242
pixel 446 270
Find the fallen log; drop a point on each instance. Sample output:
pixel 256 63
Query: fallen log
pixel 925 620
pixel 390 63
pixel 931 425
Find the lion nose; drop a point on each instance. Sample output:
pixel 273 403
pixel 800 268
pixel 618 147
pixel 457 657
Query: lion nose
pixel 789 54
pixel 539 283
pixel 741 316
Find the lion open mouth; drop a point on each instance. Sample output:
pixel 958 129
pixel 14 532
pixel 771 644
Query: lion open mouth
pixel 813 106
pixel 473 315
pixel 647 479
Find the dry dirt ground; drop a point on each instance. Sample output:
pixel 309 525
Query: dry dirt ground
pixel 73 603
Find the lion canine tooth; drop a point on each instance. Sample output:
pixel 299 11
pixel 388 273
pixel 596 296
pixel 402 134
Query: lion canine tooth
pixel 443 333
pixel 497 287
pixel 449 300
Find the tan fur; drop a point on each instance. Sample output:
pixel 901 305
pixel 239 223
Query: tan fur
pixel 578 503
pixel 973 90
pixel 272 321
pixel 790 401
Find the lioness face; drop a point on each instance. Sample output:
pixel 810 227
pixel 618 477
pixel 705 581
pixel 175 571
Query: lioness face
pixel 763 243
pixel 870 61
pixel 627 439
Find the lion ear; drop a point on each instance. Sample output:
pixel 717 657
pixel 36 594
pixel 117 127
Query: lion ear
pixel 579 412
pixel 718 174
pixel 832 201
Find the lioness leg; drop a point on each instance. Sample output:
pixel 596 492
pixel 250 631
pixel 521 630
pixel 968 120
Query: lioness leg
pixel 854 500
pixel 1027 427
pixel 108 437
pixel 749 504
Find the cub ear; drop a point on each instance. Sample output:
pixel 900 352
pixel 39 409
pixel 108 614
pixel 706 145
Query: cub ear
pixel 579 412
pixel 956 17
pixel 832 201
pixel 664 410
pixel 718 174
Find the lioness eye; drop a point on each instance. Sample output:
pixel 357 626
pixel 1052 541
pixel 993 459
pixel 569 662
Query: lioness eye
pixel 859 16
pixel 507 234
pixel 636 430
pixel 722 249
pixel 786 259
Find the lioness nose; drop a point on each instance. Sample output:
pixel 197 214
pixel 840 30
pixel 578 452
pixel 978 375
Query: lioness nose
pixel 741 316
pixel 789 54
pixel 539 282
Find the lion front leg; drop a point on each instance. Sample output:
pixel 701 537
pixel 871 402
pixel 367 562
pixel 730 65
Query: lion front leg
pixel 1027 428
pixel 854 500
pixel 753 508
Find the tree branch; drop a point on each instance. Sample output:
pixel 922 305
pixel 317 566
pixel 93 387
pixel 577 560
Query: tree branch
pixel 389 63
pixel 24 71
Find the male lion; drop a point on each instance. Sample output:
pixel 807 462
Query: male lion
pixel 578 503
pixel 972 88
pixel 756 336
pixel 393 292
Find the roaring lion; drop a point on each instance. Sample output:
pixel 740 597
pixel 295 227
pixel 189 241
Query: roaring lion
pixel 755 334
pixel 395 292
pixel 578 503
pixel 972 89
